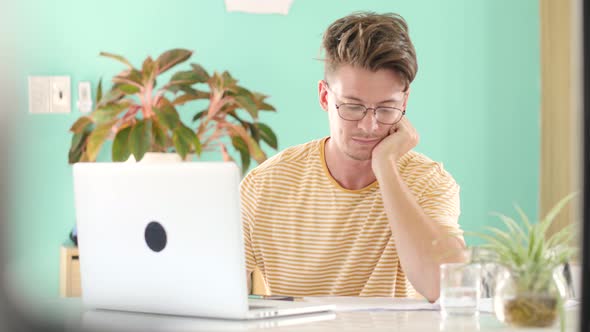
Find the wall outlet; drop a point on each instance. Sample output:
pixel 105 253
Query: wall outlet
pixel 84 97
pixel 49 94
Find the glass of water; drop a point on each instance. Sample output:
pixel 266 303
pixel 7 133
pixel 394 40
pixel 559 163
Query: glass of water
pixel 460 287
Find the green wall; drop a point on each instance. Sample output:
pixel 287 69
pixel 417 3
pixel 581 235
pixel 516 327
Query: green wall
pixel 475 101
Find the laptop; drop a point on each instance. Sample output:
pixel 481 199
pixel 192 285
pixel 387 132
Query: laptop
pixel 109 320
pixel 166 238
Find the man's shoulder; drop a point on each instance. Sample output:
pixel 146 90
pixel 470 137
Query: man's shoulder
pixel 292 157
pixel 415 161
pixel 417 165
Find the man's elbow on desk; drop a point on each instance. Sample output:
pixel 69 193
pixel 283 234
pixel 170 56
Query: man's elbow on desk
pixel 459 255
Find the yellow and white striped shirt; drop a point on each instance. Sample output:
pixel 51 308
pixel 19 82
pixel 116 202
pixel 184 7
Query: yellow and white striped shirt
pixel 309 236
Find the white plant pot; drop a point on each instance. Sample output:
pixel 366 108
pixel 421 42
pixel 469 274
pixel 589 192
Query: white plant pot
pixel 160 157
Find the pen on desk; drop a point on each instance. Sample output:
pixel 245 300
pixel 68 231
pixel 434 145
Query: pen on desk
pixel 272 297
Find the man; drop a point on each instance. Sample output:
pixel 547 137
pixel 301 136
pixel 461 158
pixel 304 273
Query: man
pixel 357 213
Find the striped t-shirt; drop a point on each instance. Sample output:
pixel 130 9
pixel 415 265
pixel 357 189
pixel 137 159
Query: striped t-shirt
pixel 309 236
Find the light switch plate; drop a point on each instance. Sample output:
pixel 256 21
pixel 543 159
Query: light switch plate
pixel 39 94
pixel 61 99
pixel 49 94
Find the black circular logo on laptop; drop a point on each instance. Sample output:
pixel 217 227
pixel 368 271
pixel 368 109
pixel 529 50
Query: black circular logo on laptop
pixel 155 236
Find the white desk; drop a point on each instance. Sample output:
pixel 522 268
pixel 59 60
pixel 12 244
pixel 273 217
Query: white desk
pixel 389 321
pixel 342 321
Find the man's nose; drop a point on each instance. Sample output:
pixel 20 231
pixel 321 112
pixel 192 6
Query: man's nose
pixel 369 122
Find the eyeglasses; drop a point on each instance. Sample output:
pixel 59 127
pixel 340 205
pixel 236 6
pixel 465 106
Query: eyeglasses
pixel 356 112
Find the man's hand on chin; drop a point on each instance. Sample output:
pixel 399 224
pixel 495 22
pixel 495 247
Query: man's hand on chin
pixel 402 138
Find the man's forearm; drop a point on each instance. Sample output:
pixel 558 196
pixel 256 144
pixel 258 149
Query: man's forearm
pixel 421 245
pixel 249 281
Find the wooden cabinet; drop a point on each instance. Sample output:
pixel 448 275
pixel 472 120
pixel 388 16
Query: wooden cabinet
pixel 69 271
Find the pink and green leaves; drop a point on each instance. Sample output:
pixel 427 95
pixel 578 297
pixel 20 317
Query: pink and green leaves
pixel 140 118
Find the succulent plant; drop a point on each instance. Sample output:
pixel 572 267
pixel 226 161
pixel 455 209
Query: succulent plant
pixel 531 257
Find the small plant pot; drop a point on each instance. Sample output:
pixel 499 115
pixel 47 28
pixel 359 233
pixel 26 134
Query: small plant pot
pixel 524 299
pixel 531 310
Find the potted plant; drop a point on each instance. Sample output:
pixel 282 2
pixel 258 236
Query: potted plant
pixel 140 118
pixel 530 289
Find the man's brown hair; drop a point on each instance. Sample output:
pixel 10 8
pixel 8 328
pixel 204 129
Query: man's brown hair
pixel 371 41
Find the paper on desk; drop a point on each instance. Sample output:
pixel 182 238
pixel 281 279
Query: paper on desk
pixel 354 303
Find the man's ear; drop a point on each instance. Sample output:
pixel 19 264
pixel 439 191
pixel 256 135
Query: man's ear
pixel 406 98
pixel 323 94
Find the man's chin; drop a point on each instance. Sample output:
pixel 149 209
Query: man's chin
pixel 360 155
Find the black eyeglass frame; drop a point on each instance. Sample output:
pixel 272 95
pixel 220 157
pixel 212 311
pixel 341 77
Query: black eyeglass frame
pixel 403 112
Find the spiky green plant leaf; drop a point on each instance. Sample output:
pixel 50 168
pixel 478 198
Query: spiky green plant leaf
pixel 526 249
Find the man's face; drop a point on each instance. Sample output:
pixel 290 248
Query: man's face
pixel 347 84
